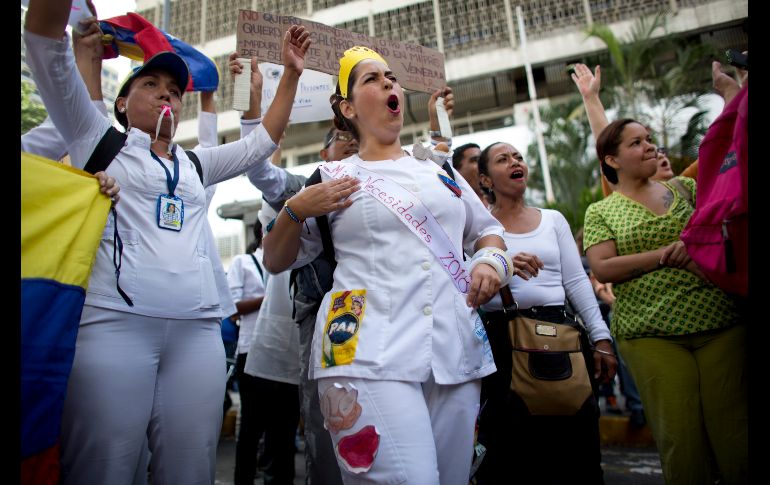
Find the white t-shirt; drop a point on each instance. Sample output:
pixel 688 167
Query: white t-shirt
pixel 246 282
pixel 562 276
pixel 274 351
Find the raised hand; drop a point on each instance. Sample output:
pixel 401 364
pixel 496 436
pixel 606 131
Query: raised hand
pixel 724 84
pixel 449 102
pixel 236 67
pixel 295 44
pixel 88 45
pixel 587 83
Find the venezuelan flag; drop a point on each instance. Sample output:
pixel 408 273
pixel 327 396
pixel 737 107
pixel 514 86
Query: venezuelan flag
pixel 133 36
pixel 62 218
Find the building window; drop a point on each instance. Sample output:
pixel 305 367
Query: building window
pixel 610 11
pixel 474 26
pixel 222 17
pixel 185 20
pixel 413 23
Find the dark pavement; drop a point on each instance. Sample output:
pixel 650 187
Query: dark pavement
pixel 622 465
pixel 629 456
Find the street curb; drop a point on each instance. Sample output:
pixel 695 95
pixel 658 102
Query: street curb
pixel 617 430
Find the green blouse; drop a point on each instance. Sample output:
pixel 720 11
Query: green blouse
pixel 667 301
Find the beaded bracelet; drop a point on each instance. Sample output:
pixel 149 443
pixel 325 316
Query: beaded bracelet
pixel 291 213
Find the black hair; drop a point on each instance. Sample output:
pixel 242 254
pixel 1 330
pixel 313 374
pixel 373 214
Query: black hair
pixel 257 233
pixel 607 144
pixel 484 170
pixel 329 136
pixel 340 122
pixel 457 157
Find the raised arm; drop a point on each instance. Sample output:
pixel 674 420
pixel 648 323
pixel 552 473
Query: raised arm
pixel 48 18
pixel 724 84
pixel 449 104
pixel 232 159
pixel 589 86
pixel 45 139
pixel 295 43
pixel 62 89
pixel 269 178
pixel 207 120
pixel 88 56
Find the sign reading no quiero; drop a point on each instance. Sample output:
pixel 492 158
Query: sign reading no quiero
pixel 260 35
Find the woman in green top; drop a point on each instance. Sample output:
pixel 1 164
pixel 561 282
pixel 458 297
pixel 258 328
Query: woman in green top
pixel 677 332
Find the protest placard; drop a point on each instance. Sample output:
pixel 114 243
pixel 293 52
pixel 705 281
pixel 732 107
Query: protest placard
pixel 260 34
pixel 311 103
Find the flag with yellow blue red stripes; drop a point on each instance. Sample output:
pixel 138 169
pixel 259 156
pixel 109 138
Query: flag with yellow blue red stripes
pixel 62 219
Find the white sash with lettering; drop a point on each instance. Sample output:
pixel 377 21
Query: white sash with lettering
pixel 410 210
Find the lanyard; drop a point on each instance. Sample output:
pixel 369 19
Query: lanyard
pixel 117 257
pixel 170 182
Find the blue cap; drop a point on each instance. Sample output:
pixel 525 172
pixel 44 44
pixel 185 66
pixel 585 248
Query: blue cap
pixel 167 61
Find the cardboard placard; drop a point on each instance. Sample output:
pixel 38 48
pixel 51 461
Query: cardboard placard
pixel 261 34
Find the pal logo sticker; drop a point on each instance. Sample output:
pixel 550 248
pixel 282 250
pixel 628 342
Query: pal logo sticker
pixel 340 337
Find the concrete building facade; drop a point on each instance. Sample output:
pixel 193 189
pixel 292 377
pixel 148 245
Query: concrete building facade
pixel 479 38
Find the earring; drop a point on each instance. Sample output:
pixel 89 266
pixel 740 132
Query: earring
pixel 122 110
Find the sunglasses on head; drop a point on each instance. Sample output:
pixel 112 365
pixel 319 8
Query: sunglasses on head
pixel 342 136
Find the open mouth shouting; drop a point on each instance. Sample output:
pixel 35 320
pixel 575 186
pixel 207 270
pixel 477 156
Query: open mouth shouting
pixel 393 104
pixel 517 174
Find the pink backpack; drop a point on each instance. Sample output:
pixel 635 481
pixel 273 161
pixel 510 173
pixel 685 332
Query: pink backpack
pixel 716 237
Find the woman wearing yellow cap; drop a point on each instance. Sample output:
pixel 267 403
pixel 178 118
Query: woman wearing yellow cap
pixel 398 348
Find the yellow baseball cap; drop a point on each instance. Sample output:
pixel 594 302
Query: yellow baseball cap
pixel 353 56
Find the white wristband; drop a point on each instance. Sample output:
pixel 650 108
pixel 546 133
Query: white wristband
pixel 498 259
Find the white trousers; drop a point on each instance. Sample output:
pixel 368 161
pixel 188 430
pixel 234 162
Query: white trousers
pixel 139 381
pixel 425 430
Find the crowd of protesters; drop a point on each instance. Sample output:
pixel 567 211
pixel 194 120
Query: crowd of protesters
pixel 401 347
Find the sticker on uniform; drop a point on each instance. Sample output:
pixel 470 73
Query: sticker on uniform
pixel 340 337
pixel 450 184
pixel 481 334
pixel 340 407
pixel 357 451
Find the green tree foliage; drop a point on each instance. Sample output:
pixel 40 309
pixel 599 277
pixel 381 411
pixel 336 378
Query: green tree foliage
pixel 656 78
pixel 571 161
pixel 32 113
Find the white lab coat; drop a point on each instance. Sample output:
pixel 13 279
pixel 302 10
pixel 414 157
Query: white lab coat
pixel 415 321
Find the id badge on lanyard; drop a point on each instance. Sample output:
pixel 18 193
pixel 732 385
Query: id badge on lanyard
pixel 170 210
